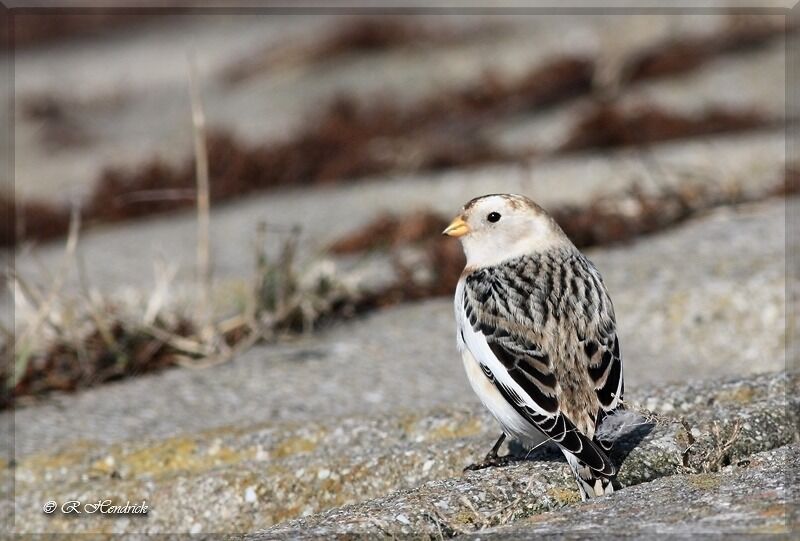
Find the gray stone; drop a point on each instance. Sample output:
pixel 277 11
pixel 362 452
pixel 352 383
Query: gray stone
pixel 364 428
pixel 752 498
pixel 367 471
pixel 749 162
pixel 491 497
pixel 703 300
pixel 137 106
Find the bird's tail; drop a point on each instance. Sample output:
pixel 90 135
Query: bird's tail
pixel 591 483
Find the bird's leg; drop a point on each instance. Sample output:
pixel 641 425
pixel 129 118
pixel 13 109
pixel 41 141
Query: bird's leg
pixel 492 459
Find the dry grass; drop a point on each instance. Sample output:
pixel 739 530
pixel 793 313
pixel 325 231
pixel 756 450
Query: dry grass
pixel 716 453
pixel 67 341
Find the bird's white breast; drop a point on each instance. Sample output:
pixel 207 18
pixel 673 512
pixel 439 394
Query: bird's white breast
pixel 512 422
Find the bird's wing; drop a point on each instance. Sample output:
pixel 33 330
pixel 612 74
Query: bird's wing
pixel 604 364
pixel 601 352
pixel 496 320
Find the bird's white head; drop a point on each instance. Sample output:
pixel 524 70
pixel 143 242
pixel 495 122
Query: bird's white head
pixel 495 228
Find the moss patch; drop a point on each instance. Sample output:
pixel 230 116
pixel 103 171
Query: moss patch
pixel 564 496
pixel 38 464
pixel 450 430
pixel 740 395
pixel 705 481
pixel 294 446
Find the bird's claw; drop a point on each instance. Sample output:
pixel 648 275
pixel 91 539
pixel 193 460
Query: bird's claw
pixel 491 461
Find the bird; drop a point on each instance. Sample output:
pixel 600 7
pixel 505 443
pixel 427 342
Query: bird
pixel 537 335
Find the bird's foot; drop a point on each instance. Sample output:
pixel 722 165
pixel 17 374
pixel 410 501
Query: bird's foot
pixel 490 461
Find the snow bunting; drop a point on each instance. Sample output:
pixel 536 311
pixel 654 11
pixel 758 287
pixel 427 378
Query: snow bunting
pixel 537 336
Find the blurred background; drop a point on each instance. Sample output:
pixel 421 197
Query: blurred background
pixel 222 219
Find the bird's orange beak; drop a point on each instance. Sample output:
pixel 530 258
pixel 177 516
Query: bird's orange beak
pixel 457 228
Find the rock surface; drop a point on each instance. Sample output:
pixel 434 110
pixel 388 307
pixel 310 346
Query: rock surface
pixel 491 497
pixel 752 499
pixel 395 473
pixel 364 428
pixel 706 299
pixel 133 113
pixel 753 161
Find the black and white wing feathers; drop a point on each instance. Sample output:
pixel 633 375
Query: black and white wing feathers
pixel 504 306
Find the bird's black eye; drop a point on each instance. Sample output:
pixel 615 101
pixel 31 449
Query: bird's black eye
pixel 493 217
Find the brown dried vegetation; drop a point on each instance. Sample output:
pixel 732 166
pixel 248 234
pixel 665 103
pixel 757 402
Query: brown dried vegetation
pixel 97 359
pixel 353 138
pixel 605 221
pixel 34 28
pixel 678 56
pixel 607 125
pixel 72 342
pixel 349 140
pixel 356 36
pixel 119 349
pixel 389 231
pixel 35 220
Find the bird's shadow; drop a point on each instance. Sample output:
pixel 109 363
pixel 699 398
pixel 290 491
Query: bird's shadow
pixel 627 443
